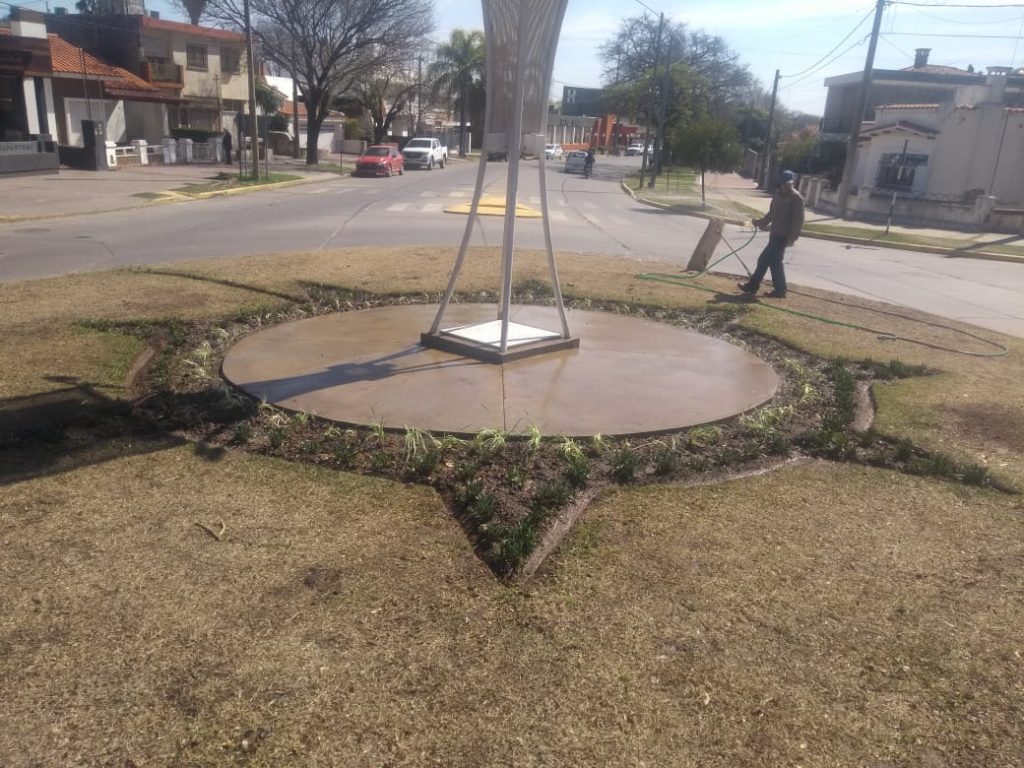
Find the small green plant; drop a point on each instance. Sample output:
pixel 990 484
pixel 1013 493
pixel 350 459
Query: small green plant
pixel 534 439
pixel 467 471
pixel 551 495
pixel 275 437
pixel 515 477
pixel 624 465
pixel 904 450
pixel 378 431
pixel 974 474
pixel 381 462
pixel 424 465
pixel 598 444
pixel 700 438
pixel 665 461
pixel 242 433
pixel 490 440
pixel 895 369
pixel 571 450
pixel 578 471
pixel 417 442
pixel 765 421
pixel 300 419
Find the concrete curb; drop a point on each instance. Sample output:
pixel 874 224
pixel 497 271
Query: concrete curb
pixel 863 241
pixel 252 188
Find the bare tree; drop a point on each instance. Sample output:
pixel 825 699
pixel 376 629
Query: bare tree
pixel 330 46
pixel 387 94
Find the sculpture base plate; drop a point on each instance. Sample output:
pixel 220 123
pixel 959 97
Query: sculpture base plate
pixel 482 341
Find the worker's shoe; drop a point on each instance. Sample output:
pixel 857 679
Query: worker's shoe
pixel 775 295
pixel 747 288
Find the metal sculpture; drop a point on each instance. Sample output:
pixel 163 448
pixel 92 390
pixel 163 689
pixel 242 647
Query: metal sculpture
pixel 521 38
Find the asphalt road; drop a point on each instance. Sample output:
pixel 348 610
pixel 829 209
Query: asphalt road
pixel 587 215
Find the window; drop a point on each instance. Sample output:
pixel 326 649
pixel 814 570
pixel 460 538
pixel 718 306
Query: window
pixel 896 170
pixel 195 57
pixel 229 60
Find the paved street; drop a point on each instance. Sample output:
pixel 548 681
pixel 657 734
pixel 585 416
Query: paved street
pixel 588 216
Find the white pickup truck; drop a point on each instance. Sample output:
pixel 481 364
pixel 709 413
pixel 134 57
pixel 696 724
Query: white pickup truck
pixel 425 153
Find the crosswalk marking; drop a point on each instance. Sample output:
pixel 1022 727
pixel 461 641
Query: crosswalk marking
pixel 432 207
pixel 398 206
pixel 592 219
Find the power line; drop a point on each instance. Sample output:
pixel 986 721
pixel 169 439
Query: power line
pixel 951 5
pixel 940 34
pixel 827 63
pixel 848 36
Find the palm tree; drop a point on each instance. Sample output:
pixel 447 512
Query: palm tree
pixel 458 70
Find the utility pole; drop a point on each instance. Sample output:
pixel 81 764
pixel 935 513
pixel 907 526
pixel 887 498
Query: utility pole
pixel 296 149
pixel 858 117
pixel 662 109
pixel 416 130
pixel 254 130
pixel 768 138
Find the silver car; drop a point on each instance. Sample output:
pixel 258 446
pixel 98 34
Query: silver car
pixel 553 152
pixel 575 162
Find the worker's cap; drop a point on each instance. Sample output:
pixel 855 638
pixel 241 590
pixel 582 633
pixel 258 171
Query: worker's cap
pixel 787 176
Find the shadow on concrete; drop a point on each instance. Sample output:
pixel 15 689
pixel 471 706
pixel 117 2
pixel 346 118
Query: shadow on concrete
pixel 374 369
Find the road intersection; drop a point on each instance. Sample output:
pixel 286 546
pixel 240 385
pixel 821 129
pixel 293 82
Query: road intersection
pixel 587 216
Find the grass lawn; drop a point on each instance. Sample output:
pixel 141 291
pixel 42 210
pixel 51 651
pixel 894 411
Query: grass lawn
pixel 168 602
pixel 878 234
pixel 225 181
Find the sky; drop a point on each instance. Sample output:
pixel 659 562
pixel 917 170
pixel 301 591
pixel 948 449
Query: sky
pixel 806 40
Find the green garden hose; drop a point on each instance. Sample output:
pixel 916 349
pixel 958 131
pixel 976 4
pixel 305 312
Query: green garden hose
pixel 686 280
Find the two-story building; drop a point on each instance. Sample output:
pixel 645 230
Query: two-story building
pixel 922 83
pixel 202 68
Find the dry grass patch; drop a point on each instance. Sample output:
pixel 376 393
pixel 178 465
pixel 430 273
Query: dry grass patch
pixel 822 616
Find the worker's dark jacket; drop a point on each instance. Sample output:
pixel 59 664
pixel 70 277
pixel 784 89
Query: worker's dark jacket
pixel 786 216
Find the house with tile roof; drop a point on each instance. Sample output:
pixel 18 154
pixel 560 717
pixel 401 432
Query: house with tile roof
pixel 87 88
pixel 26 97
pixel 202 69
pixel 954 163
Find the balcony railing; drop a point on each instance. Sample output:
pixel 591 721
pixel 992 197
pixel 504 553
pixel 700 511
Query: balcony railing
pixel 162 72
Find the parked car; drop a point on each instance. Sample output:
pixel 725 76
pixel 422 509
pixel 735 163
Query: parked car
pixel 380 160
pixel 634 149
pixel 575 161
pixel 499 157
pixel 425 153
pixel 553 152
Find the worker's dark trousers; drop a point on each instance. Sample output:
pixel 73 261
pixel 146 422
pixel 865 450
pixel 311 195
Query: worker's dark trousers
pixel 771 258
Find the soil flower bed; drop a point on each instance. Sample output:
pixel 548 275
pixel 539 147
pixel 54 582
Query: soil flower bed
pixel 510 491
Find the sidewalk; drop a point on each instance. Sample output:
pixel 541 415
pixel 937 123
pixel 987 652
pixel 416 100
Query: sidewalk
pixel 72 192
pixel 737 199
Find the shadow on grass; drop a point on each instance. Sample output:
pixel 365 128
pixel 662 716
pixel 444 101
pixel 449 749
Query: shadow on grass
pixel 76 426
pixel 220 281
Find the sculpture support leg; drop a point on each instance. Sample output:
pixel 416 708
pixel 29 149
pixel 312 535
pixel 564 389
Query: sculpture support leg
pixel 542 172
pixel 515 150
pixel 477 193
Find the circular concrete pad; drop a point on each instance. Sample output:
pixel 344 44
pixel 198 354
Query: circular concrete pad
pixel 629 376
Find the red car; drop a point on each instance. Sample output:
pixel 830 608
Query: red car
pixel 380 160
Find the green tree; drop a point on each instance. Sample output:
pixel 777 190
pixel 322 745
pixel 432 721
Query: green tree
pixel 458 71
pixel 703 74
pixel 708 144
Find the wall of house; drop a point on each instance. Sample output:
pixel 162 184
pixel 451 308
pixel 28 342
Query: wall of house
pixel 145 120
pixel 968 154
pixel 870 156
pixel 65 88
pixel 203 84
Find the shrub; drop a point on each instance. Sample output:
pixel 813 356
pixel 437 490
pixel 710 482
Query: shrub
pixel 625 463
